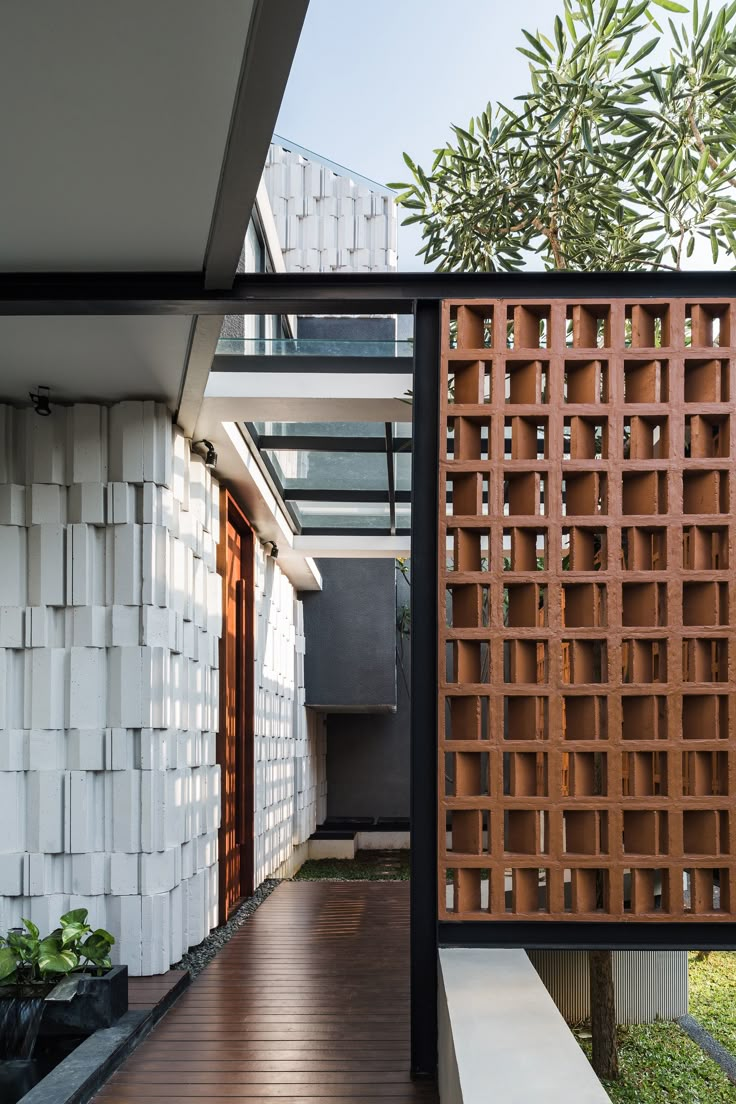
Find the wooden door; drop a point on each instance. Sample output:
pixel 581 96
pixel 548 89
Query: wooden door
pixel 235 737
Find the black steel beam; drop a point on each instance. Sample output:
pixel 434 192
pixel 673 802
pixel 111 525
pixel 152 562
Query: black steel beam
pixel 270 45
pixel 273 35
pixel 164 293
pixel 390 476
pixel 308 494
pixel 250 436
pixel 350 531
pixel 424 561
pixel 568 935
pixel 312 362
pixel 292 443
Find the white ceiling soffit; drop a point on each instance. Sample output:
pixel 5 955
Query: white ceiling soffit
pixel 93 359
pixel 114 120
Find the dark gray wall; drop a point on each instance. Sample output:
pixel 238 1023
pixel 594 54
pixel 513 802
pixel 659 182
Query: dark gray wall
pixel 368 757
pixel 348 329
pixel 354 651
pixel 350 628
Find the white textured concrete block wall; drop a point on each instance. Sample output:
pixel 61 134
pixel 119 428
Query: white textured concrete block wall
pixel 290 741
pixel 110 612
pixel 327 220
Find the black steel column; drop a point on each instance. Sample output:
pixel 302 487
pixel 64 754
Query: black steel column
pixel 424 498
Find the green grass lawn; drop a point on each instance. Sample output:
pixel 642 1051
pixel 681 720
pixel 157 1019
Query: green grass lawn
pixel 362 869
pixel 713 995
pixel 661 1065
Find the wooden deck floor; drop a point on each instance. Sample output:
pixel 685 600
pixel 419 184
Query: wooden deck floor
pixel 309 1001
pixel 148 993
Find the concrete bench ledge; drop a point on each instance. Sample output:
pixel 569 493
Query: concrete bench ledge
pixel 501 1038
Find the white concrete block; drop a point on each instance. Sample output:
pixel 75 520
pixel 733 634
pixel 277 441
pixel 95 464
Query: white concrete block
pixel 121 503
pixel 156 749
pixel 126 442
pixel 86 503
pixel 152 505
pixel 125 624
pixel 215 519
pixel 125 923
pixel 85 749
pixel 45 440
pixel 86 812
pixel 87 443
pixel 126 810
pixel 87 688
pixel 90 626
pixel 157 443
pixel 89 873
pixel 45 811
pixel 13 748
pixel 46 576
pixel 124 687
pixel 159 870
pixel 124 879
pixel 13 787
pixel 12 504
pixel 197 488
pixel 159 627
pixel 155 951
pixel 45 504
pixel 85 565
pixel 126 583
pixel 155 566
pixel 180 469
pixel 45 688
pixel 124 749
pixel 11 626
pixel 46 749
pixel 13 559
pixel 11 875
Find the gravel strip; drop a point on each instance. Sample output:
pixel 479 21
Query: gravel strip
pixel 711 1046
pixel 200 956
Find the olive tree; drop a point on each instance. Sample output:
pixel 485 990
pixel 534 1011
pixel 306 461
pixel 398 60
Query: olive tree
pixel 608 162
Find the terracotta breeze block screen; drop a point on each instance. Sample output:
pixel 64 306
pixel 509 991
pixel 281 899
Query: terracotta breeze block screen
pixel 586 761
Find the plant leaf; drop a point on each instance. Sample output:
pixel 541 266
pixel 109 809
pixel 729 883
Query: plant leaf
pixel 8 963
pixel 76 916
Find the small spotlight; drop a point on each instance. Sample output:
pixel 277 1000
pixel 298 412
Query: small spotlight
pixel 41 401
pixel 210 458
pixel 274 549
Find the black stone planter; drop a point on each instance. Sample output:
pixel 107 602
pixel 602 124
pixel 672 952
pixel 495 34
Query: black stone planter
pixel 98 1002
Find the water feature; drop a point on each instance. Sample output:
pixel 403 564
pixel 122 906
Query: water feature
pixel 21 1011
pixel 20 1020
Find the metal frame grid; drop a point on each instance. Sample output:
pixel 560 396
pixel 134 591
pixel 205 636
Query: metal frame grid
pixel 387 444
pixel 586 608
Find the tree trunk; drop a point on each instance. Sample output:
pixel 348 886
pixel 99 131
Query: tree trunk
pixel 603 1015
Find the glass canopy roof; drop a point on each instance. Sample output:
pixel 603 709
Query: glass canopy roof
pixel 340 477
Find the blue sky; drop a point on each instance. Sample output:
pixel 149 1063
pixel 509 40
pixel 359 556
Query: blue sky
pixel 372 79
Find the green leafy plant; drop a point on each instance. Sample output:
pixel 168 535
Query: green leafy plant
pixel 608 162
pixel 27 958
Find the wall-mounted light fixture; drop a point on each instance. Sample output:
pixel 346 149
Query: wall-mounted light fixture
pixel 41 401
pixel 210 458
pixel 273 548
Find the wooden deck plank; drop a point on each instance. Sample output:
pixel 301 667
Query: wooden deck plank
pixel 307 1002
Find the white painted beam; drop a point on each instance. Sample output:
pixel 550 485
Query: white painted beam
pixel 352 547
pixel 307 397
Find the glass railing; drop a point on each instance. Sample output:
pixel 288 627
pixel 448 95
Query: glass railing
pixel 312 346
